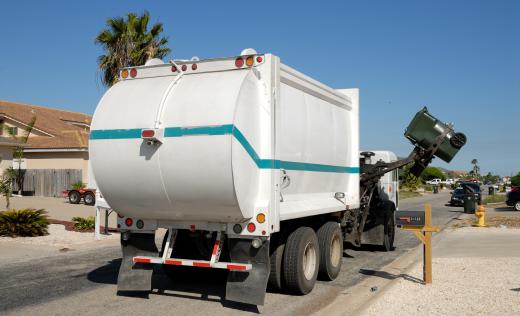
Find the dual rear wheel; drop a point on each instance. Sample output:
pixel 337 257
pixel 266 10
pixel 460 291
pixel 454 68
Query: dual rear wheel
pixel 297 263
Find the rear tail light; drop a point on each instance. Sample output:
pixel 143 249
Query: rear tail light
pixel 259 59
pixel 133 72
pixel 515 189
pixel 239 62
pixel 184 67
pixel 174 68
pixel 148 133
pixel 124 73
pixel 250 61
pixel 251 227
pixel 194 67
pixel 129 222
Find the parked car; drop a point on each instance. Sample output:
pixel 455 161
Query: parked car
pixel 457 197
pixel 76 195
pixel 434 181
pixel 513 198
pixel 465 188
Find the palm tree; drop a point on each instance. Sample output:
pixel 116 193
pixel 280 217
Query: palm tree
pixel 476 168
pixel 127 42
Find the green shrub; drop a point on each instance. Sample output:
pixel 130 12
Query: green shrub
pixel 84 223
pixel 24 223
pixel 78 185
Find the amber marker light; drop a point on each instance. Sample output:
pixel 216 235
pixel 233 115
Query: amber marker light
pixel 250 61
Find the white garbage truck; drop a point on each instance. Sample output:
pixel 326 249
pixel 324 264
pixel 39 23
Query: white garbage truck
pixel 250 166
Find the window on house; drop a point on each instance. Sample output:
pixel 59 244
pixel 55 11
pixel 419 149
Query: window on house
pixel 12 130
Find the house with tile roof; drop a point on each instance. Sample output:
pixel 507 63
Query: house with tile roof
pixel 58 140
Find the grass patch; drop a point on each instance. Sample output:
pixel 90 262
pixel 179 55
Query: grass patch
pixel 408 194
pixel 497 198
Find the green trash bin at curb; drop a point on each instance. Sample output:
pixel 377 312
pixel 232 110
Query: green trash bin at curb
pixel 425 128
pixel 435 189
pixel 470 202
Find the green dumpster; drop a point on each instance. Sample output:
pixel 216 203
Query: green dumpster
pixel 424 130
pixel 469 203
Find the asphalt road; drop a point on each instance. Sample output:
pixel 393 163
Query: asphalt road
pixel 84 282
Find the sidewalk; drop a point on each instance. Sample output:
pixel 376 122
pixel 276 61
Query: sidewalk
pixel 475 271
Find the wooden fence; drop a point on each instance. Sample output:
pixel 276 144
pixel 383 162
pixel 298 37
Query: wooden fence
pixel 48 182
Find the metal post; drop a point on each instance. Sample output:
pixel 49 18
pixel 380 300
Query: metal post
pixel 97 224
pixel 427 246
pixel 106 221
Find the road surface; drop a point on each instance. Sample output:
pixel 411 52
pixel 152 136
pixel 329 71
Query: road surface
pixel 84 282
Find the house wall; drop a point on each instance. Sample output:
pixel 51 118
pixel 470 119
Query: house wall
pixel 6 158
pixel 58 160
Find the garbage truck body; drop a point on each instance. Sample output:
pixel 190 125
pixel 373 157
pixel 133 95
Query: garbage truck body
pixel 249 164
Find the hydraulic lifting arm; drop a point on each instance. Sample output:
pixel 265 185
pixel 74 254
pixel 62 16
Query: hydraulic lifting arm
pixel 371 173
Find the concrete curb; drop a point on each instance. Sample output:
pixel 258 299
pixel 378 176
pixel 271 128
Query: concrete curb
pixel 356 299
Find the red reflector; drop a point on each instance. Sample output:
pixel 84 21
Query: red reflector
pixel 259 59
pixel 194 67
pixel 201 264
pixel 141 260
pixel 174 262
pixel 236 267
pixel 133 72
pixel 129 222
pixel 174 69
pixel 251 227
pixel 147 133
pixel 184 67
pixel 239 62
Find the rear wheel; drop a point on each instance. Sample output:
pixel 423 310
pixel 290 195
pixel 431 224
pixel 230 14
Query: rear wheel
pixel 74 197
pixel 275 282
pixel 330 240
pixel 89 198
pixel 517 206
pixel 301 261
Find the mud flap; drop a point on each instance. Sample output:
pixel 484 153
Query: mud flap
pixel 136 276
pixel 248 287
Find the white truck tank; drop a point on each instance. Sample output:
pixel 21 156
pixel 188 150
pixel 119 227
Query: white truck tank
pixel 231 139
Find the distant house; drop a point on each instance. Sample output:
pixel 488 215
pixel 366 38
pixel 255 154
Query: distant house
pixel 59 139
pixel 7 146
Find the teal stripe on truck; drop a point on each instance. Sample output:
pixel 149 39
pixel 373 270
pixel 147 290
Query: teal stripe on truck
pixel 227 129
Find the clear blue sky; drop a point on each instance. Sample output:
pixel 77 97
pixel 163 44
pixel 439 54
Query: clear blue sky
pixel 460 58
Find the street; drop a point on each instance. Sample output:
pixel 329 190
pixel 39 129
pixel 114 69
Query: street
pixel 84 282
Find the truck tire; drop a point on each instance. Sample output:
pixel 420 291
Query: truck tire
pixel 301 261
pixel 275 282
pixel 74 197
pixel 89 198
pixel 330 240
pixel 389 229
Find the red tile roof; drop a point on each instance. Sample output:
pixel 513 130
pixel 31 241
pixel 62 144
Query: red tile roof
pixel 51 121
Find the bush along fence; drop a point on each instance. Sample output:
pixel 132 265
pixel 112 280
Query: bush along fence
pixel 48 182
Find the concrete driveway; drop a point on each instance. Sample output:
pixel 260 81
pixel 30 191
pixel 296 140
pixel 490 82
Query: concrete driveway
pixel 84 282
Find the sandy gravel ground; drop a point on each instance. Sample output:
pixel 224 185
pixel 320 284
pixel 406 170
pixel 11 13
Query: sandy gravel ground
pixel 464 284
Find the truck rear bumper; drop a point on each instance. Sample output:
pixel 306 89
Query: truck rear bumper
pixel 194 263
